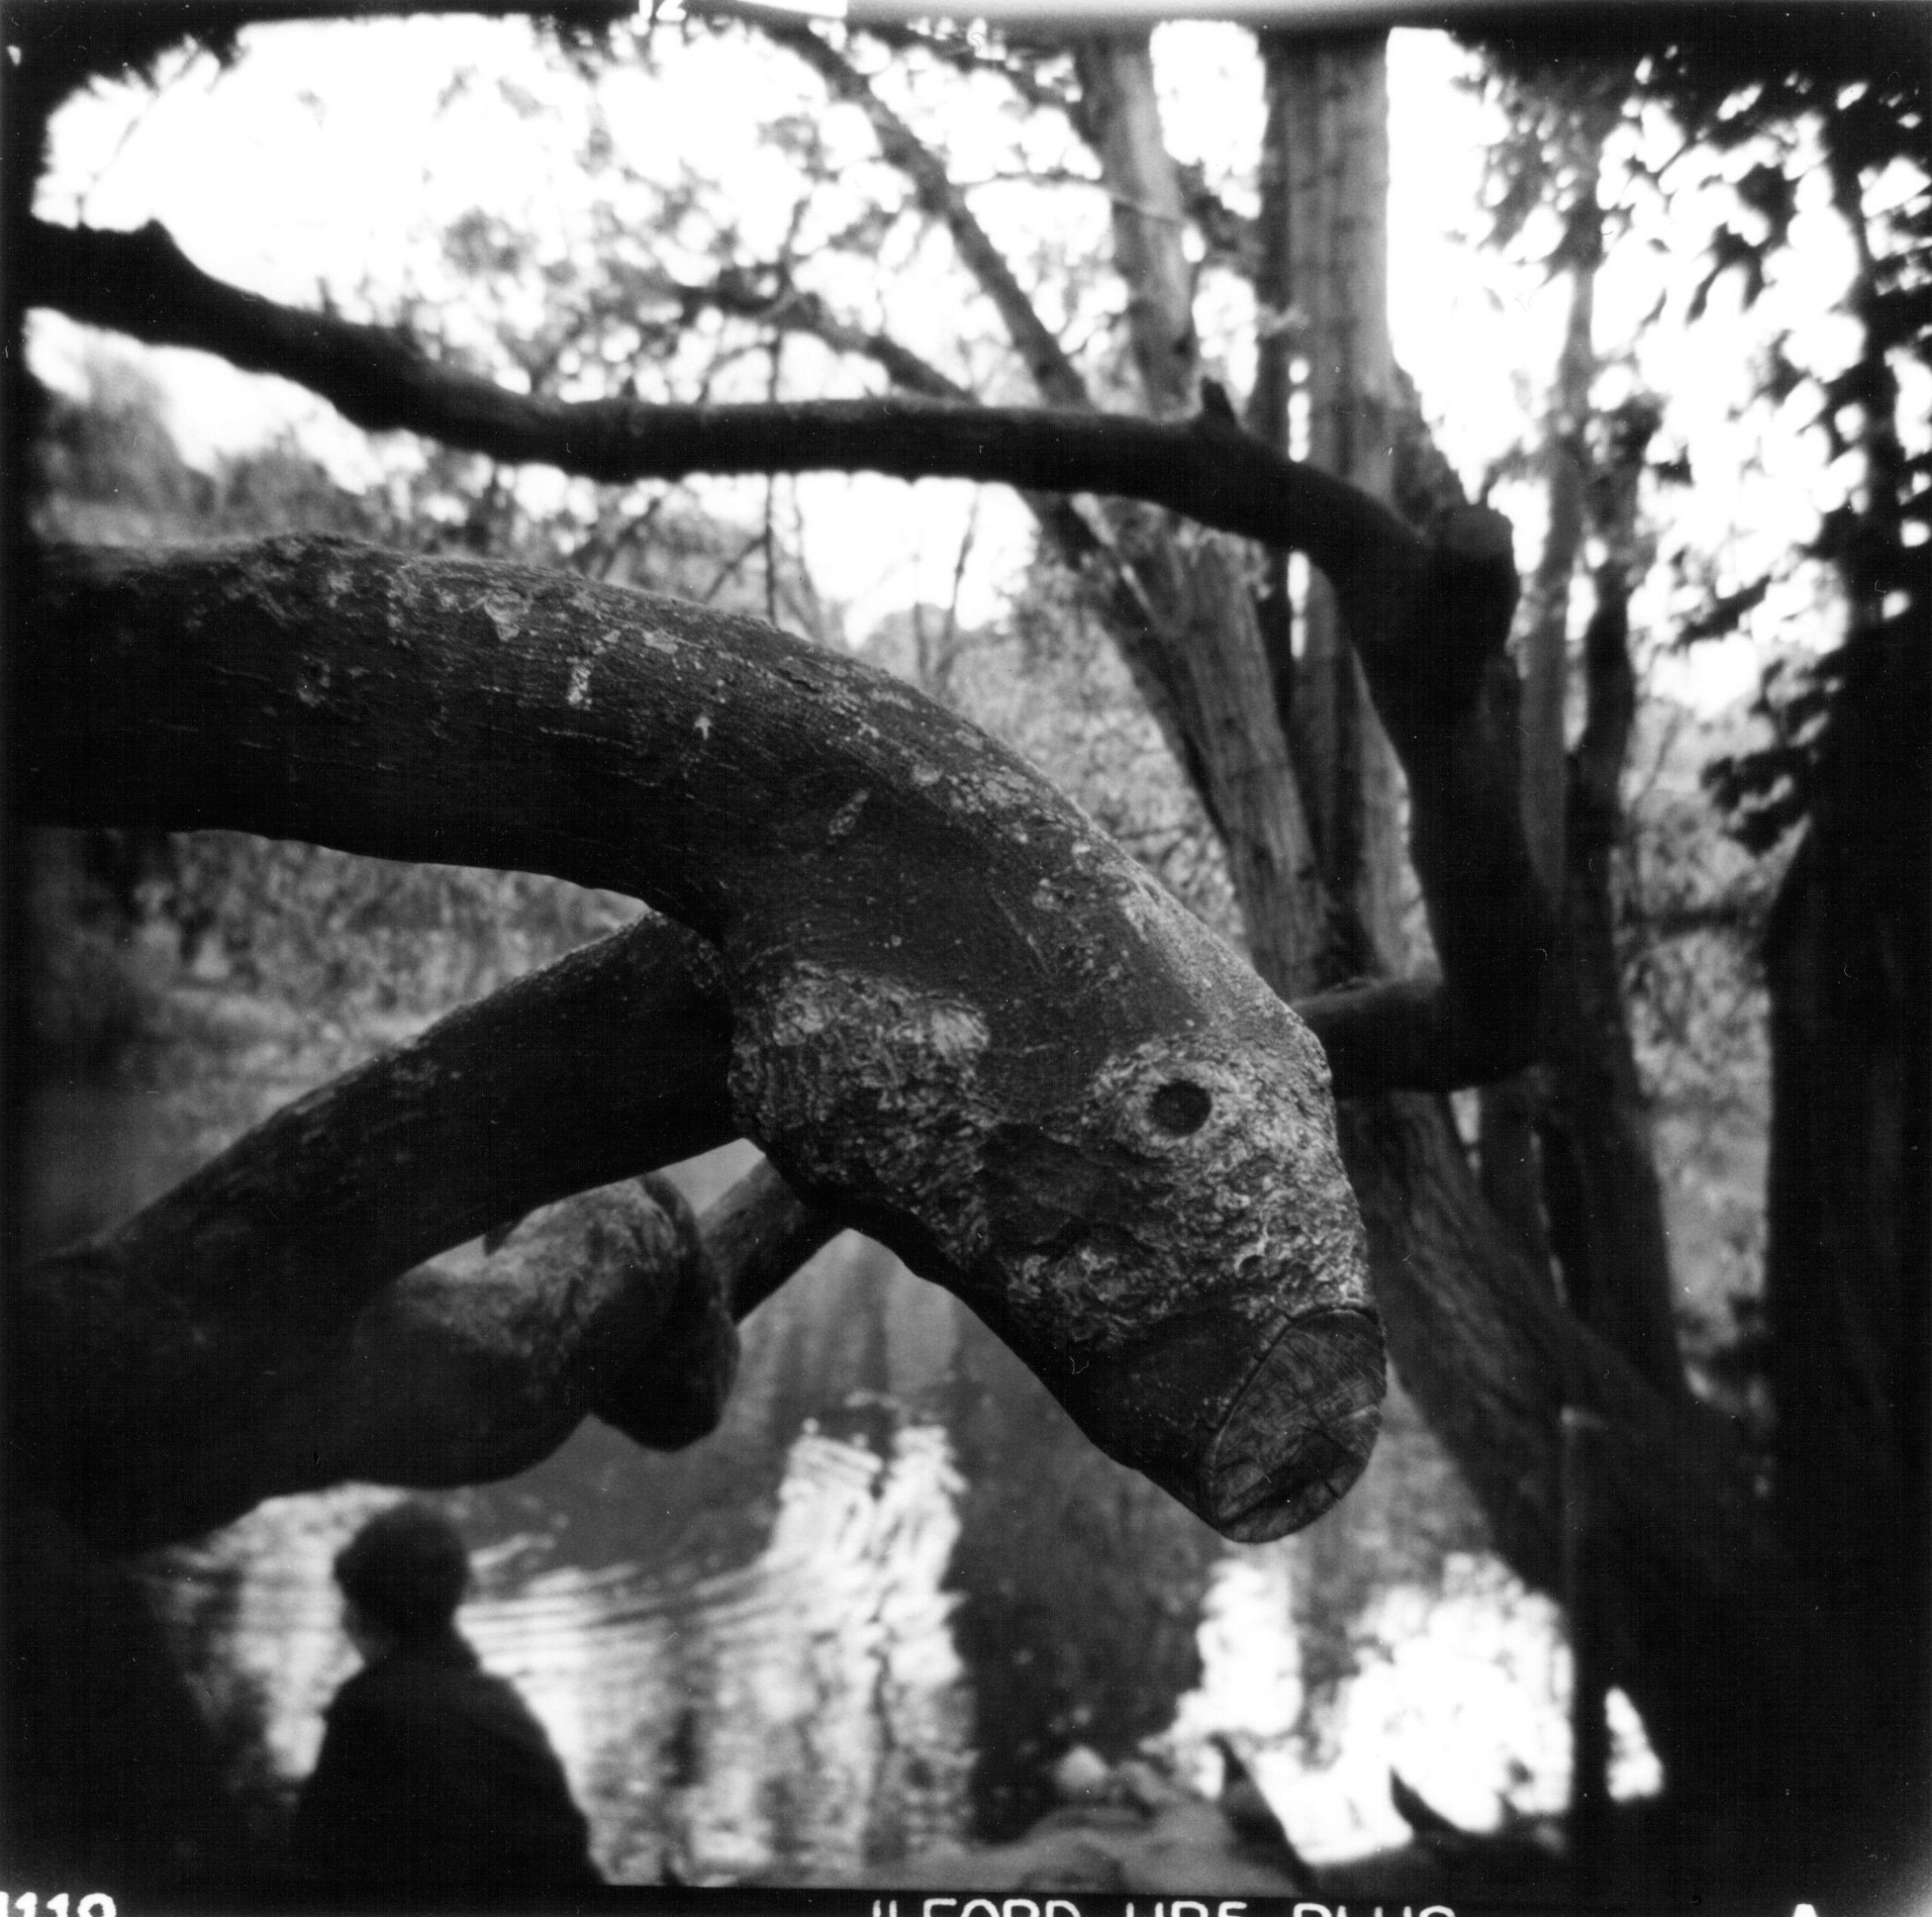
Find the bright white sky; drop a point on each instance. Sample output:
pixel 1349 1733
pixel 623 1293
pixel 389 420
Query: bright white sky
pixel 334 156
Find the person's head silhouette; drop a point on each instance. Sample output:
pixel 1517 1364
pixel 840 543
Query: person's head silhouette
pixel 404 1573
pixel 434 1778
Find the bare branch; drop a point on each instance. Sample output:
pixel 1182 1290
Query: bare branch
pixel 1230 237
pixel 758 1233
pixel 1412 1035
pixel 739 291
pixel 1105 570
pixel 1055 375
pixel 142 284
pixel 303 1221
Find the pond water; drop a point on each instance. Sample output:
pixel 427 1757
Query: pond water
pixel 862 1618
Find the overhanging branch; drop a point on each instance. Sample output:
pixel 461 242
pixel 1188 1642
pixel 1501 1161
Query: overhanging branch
pixel 142 284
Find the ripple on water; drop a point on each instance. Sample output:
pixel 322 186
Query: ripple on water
pixel 802 1715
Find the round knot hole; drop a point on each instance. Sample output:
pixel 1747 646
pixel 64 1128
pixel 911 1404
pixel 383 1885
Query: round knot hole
pixel 1179 1107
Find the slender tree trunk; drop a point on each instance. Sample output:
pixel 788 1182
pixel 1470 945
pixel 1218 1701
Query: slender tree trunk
pixel 1216 664
pixel 1546 622
pixel 1335 163
pixel 1599 1155
pixel 1512 1174
pixel 1509 1161
pixel 1567 1153
pixel 1120 118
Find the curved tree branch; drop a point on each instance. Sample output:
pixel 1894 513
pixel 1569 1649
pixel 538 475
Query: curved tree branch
pixel 616 1303
pixel 303 1221
pixel 961 1019
pixel 447 1377
pixel 141 283
pixel 247 1335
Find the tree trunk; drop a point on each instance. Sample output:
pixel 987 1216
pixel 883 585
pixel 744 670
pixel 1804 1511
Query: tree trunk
pixel 1478 1337
pixel 1606 1205
pixel 1336 183
pixel 1475 1331
pixel 1582 1124
pixel 1209 648
pixel 1545 623
pixel 1119 117
pixel 1512 1174
pixel 1848 1266
pixel 1849 1274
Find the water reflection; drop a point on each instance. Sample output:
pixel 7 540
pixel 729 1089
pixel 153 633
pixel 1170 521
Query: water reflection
pixel 866 1616
pixel 834 1734
pixel 1461 1684
pixel 803 1716
pixel 807 1716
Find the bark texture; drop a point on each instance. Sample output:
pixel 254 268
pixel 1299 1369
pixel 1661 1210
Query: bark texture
pixel 1119 116
pixel 1335 169
pixel 616 1303
pixel 141 283
pixel 1600 1159
pixel 961 1019
pixel 1202 645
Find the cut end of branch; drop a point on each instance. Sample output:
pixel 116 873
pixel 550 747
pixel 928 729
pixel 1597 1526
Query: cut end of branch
pixel 1283 1447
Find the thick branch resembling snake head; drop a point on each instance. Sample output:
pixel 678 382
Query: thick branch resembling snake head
pixel 961 1017
pixel 1137 1185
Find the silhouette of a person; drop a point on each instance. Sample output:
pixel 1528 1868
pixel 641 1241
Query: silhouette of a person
pixel 434 1782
